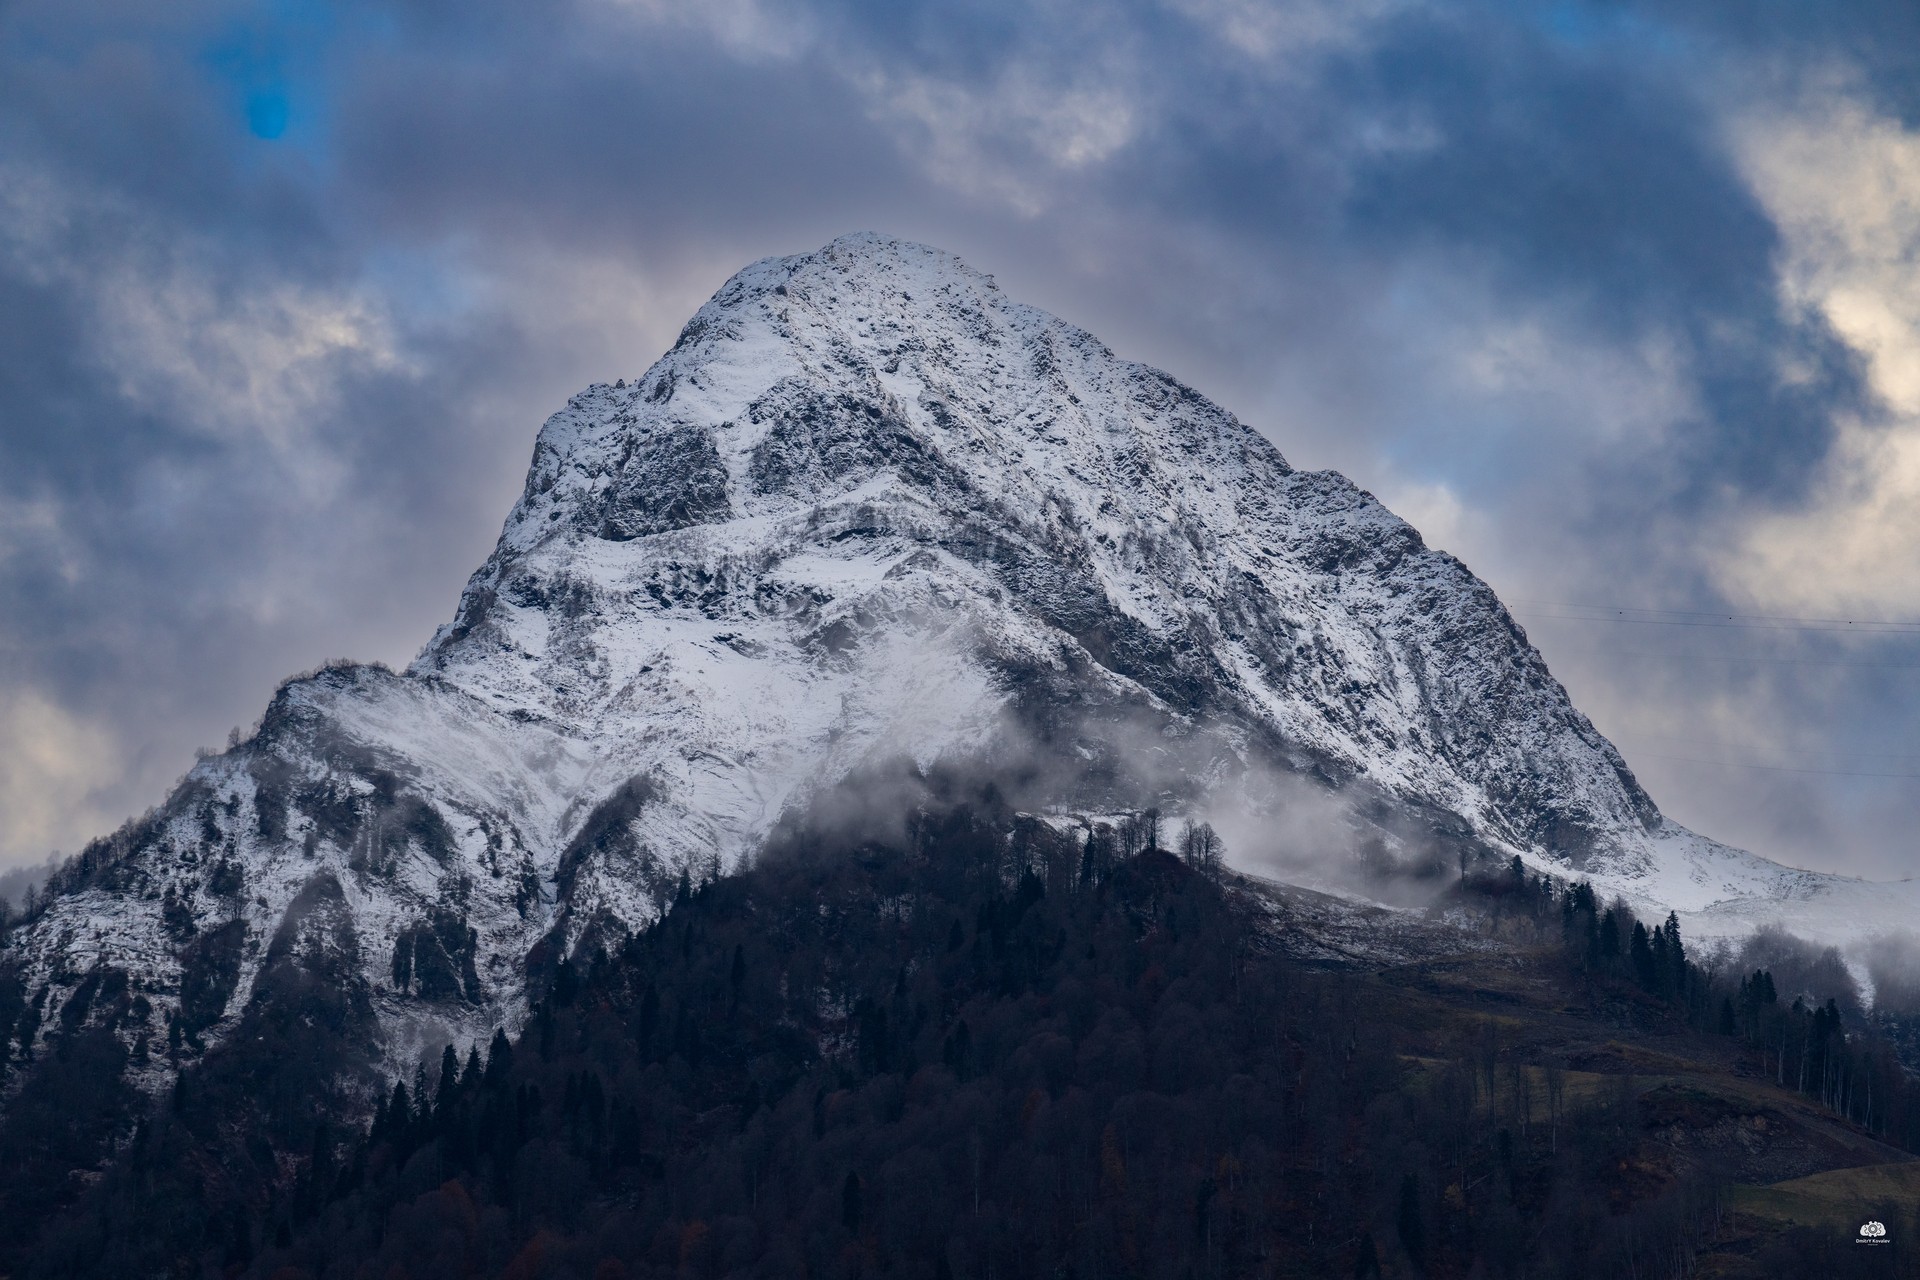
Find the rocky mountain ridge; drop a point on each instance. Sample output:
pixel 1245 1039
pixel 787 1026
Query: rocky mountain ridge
pixel 866 517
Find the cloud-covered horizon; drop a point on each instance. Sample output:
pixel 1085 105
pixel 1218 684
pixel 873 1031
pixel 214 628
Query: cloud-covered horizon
pixel 1615 302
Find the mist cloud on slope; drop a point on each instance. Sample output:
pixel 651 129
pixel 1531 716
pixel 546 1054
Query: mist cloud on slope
pixel 1892 962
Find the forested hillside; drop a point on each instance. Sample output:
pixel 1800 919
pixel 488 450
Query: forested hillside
pixel 982 1046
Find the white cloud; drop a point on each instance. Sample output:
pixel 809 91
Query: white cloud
pixel 32 527
pixel 256 365
pixel 249 367
pixel 744 28
pixel 1436 511
pixel 983 139
pixel 1268 30
pixel 1558 379
pixel 53 764
pixel 1843 185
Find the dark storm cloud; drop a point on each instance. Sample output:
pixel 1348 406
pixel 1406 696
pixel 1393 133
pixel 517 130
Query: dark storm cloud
pixel 285 289
pixel 1595 183
pixel 616 149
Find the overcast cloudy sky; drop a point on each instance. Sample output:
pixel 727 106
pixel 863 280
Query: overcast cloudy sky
pixel 1618 303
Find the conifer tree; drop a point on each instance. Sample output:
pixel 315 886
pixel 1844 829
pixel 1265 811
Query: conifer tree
pixel 1676 975
pixel 399 1113
pixel 499 1059
pixel 1609 935
pixel 1649 954
pixel 449 1082
pixel 422 1100
pixel 850 1202
pixel 1413 1235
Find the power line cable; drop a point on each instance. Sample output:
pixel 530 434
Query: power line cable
pixel 1686 656
pixel 1712 613
pixel 1773 768
pixel 1732 624
pixel 1736 746
pixel 1569 612
pixel 1564 611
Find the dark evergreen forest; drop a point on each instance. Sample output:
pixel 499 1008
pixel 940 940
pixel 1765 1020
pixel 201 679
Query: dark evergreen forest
pixel 979 1048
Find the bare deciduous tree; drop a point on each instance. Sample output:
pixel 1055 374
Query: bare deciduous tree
pixel 1201 847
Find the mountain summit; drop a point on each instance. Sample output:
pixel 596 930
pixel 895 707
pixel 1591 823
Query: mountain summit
pixel 866 511
pixel 867 505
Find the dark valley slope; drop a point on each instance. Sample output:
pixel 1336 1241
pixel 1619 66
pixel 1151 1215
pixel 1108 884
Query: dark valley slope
pixel 984 1049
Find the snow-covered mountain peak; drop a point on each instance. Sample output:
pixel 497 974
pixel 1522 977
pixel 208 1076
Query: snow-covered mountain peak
pixel 867 510
pixel 869 450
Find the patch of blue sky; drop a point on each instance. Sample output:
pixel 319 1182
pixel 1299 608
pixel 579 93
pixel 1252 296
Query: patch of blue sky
pixel 427 289
pixel 1582 24
pixel 268 113
pixel 271 66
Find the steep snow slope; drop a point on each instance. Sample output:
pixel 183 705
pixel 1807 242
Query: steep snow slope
pixel 868 453
pixel 867 509
pixel 1720 892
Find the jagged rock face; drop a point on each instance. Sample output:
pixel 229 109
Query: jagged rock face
pixel 867 458
pixel 865 509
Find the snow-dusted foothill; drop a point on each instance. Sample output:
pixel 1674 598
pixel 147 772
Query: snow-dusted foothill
pixel 867 510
